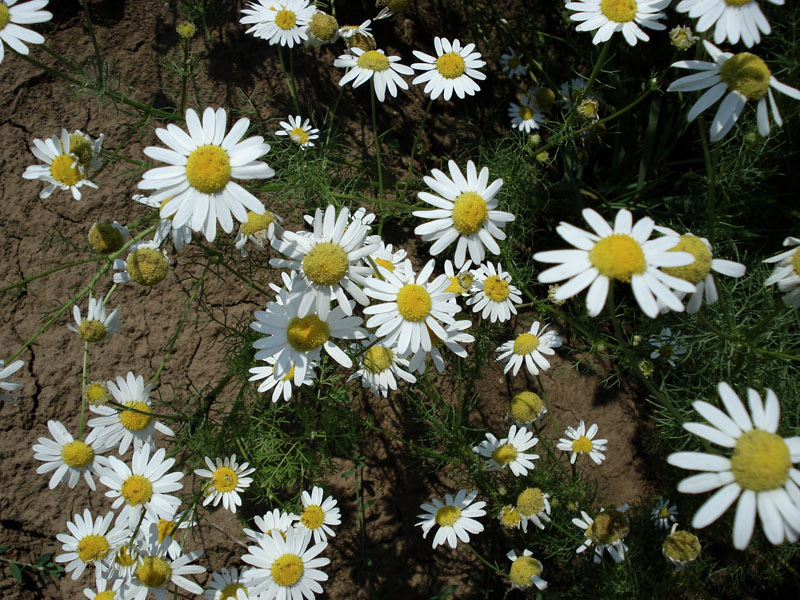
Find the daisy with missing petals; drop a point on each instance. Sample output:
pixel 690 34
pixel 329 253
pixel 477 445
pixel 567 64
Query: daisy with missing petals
pixel 228 480
pixel 453 69
pixel 301 133
pixel 8 388
pixel 611 16
pixel 786 273
pixel 348 31
pixel 465 211
pixel 228 585
pixel 97 326
pixel 91 542
pixel 606 531
pixel 733 18
pixel 509 452
pixel 511 63
pixel 146 264
pixel 525 571
pixel 744 76
pixel 321 29
pixel 198 181
pixel 456 335
pixel 533 506
pixel 525 116
pixel 759 473
pixel 318 515
pixel 259 230
pixel 275 520
pixel 526 409
pixel 495 296
pixel 461 283
pixel 456 518
pixel 623 253
pixel 529 348
pixel 379 367
pixel 384 71
pixel 581 441
pixel 280 386
pixel 663 513
pixel 287 568
pixel 62 169
pixel 25 13
pixel 71 458
pixel 134 424
pixel 278 21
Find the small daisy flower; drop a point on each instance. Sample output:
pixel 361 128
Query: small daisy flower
pixel 91 542
pixel 511 63
pixel 385 71
pixel 734 19
pixel 228 585
pixel 8 388
pixel 466 210
pixel 107 238
pixel 286 568
pixel 228 480
pixel 605 532
pixel 526 409
pixel 280 386
pixel 146 264
pixel 495 296
pixel 509 517
pixel 744 76
pixel 786 273
pixel 664 513
pixel 201 166
pixel 611 16
pixel 623 253
pixel 453 69
pixel 680 548
pixel 529 348
pixel 682 37
pixel 318 515
pixel 380 366
pixel 167 528
pixel 533 506
pixel 24 13
pixel 300 132
pixel 105 588
pixel 98 326
pixel 461 283
pixel 259 230
pixel 278 21
pixel 71 458
pixel 456 518
pixel 123 563
pixel 62 169
pixel 525 116
pixel 132 425
pixel 456 336
pixel 181 236
pixel 525 571
pixel 759 473
pixel 542 98
pixel 275 520
pixel 509 452
pixel 581 441
pixel 321 29
pixel 348 31
pixel 667 346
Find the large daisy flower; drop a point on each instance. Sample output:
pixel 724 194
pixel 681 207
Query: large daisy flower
pixel 580 440
pixel 380 368
pixel 319 514
pixel 529 348
pixel 202 165
pixel 280 386
pixel 465 211
pixel 8 388
pixel 385 71
pixel 453 69
pixel 278 21
pixel 786 273
pixel 90 542
pixel 98 326
pixel 299 131
pixel 509 452
pixel 623 253
pixel 228 480
pixel 25 13
pixel 71 458
pixel 744 76
pixel 733 18
pixel 63 169
pixel 495 297
pixel 456 335
pixel 611 16
pixel 759 473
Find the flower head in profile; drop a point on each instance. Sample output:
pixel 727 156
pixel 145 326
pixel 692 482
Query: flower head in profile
pixel 526 408
pixel 787 272
pixel 681 547
pixel 8 388
pixel 12 15
pixel 98 326
pixel 321 29
pixel 280 22
pixel 71 459
pixel 228 479
pixel 64 157
pixel 606 532
pixel 365 65
pixel 529 348
pixel 607 17
pixel 509 452
pixel 456 518
pixel 453 69
pixel 734 19
pixel 299 131
pixel 582 441
pixel 525 571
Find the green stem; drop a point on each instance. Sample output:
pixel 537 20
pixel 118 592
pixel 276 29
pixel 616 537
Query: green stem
pixel 50 272
pixel 494 568
pixel 185 72
pixel 132 130
pixel 414 146
pixel 83 390
pixel 212 251
pixel 711 175
pixel 375 135
pixel 98 57
pixel 601 60
pixel 289 82
pixel 124 408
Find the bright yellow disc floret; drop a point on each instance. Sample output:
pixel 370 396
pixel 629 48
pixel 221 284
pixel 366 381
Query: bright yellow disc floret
pixel 153 571
pixel 760 461
pixel 225 479
pixel 372 60
pixel 618 256
pixel 470 212
pixel 747 74
pixel 378 359
pixel 525 344
pixel 299 136
pixel 504 454
pixel 64 170
pixel 92 547
pixel 413 302
pixel 308 333
pixel 447 515
pixel 619 11
pixel 285 19
pixel 495 288
pixel 326 264
pixel 450 65
pixel 77 454
pixel 137 490
pixel 530 502
pixel 147 266
pixel 312 517
pixel 135 420
pixel 525 113
pixel 524 569
pixel 582 444
pixel 287 570
pixel 256 223
pixel 208 169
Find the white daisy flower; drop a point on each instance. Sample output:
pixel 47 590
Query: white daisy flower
pixel 453 69
pixel 105 588
pixel 786 273
pixel 63 169
pixel 299 131
pixel 509 452
pixel 461 283
pixel 664 513
pixel 533 506
pixel 385 71
pixel 278 21
pixel 667 346
pixel 8 388
pixel 259 230
pixel 379 367
pixel 280 386
pixel 201 166
pixel 605 532
pixel 318 515
pixel 275 520
pixel 146 264
pixel 90 542
pixel 456 517
pixel 759 473
pixel 132 425
pixel 409 309
pixel 348 31
pixel 228 585
pixel 123 563
pixel 465 211
pixel 744 76
pixel 328 260
pixel 509 517
pixel 24 13
pixel 611 16
pixel 511 63
pixel 286 569
pixel 525 571
pixel 71 458
pixel 228 480
pixel 525 116
pixel 623 253
pixel 144 486
pixel 98 326
pixel 384 256
pixel 181 236
pixel 495 296
pixel 167 530
pixel 455 337
pixel 529 348
pixel 734 19
pixel 581 441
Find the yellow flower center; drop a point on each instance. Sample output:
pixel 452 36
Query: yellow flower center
pixel 525 406
pixel 225 479
pixel 682 546
pixel 386 264
pixel 107 595
pixel 737 2
pixel 5 17
pixel 231 591
pixel 413 302
pixel 285 19
pixel 525 113
pixel 153 571
pixel 290 375
pixel 450 65
pixel 363 41
pixel 124 558
pixel 525 344
pixel 373 60
pixel 323 26
pixel 504 454
pixel 81 148
pixel 696 271
pixel 165 528
pixel 495 288
pixel 326 264
pixel 312 517
pixel 619 11
pixel 307 333
pixel 618 256
pixel 530 502
pixel 92 548
pixel 608 527
pixel 545 98
pixel 62 170
pixel 105 238
pixel 524 569
pixel 510 517
pixel 137 490
pixel 760 461
pixel 208 169
pixel 582 444
pixel 513 62
pixel 135 420
pixel 588 108
pixel 77 454
pixel 663 513
pixel 469 213
pixel 287 570
pixel 147 266
pixel 447 515
pixel 747 74
pixel 455 286
pixel 796 262
pixel 378 359
pixel 256 223
pixel 97 394
pixel 92 331
pixel 186 30
pixel 299 136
